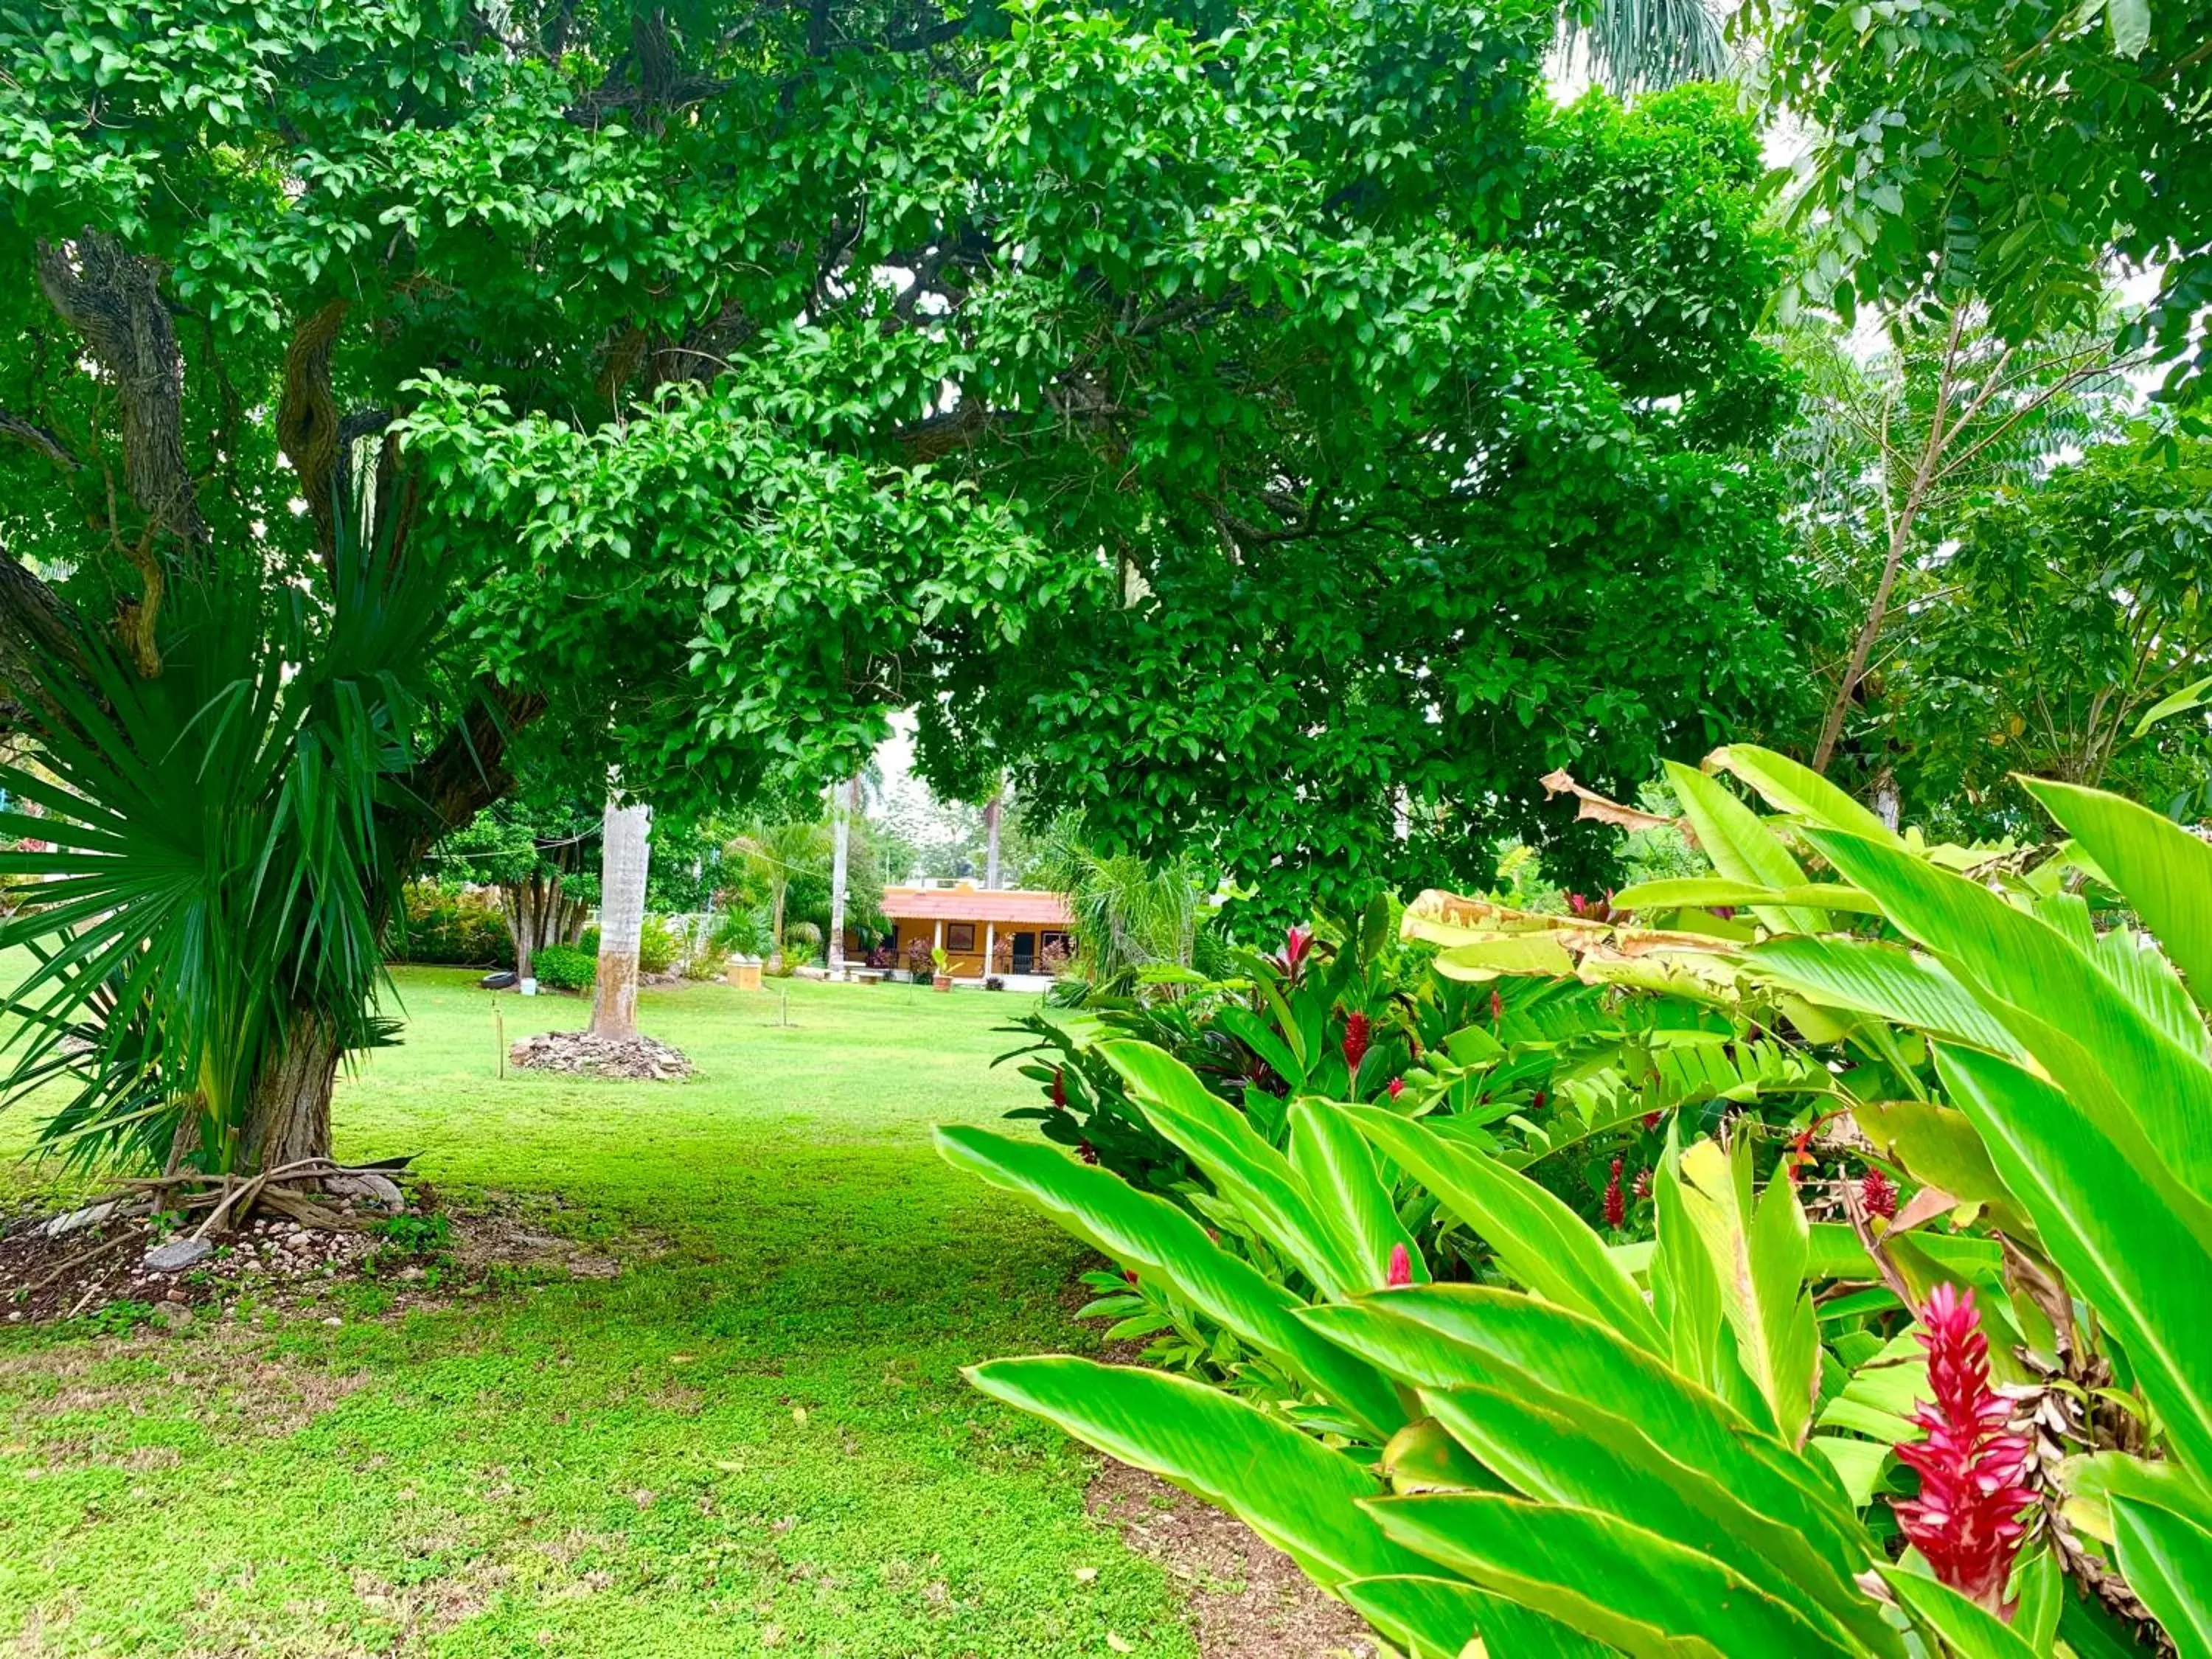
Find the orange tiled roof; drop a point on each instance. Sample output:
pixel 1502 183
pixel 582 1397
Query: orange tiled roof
pixel 1004 904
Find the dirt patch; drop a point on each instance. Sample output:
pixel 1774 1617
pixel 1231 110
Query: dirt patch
pixel 1247 1599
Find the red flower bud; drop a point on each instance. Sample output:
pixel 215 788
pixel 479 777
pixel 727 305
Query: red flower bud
pixel 1642 1187
pixel 1652 1120
pixel 1355 1041
pixel 1966 1520
pixel 1616 1206
pixel 1397 1087
pixel 1129 1274
pixel 1401 1267
pixel 1086 1152
pixel 1059 1088
pixel 1497 1007
pixel 1878 1194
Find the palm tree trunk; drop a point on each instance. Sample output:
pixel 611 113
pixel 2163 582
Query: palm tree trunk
pixel 991 813
pixel 624 849
pixel 775 926
pixel 840 871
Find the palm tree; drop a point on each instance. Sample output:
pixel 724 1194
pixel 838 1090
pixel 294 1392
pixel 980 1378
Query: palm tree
pixel 1643 45
pixel 625 854
pixel 776 853
pixel 1129 913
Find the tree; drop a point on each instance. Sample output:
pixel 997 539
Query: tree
pixel 731 376
pixel 2008 150
pixel 1885 450
pixel 534 853
pixel 1637 46
pixel 2079 608
pixel 777 854
pixel 625 852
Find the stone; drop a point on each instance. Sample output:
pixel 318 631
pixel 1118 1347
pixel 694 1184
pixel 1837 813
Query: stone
pixel 374 1187
pixel 77 1220
pixel 178 1255
pixel 171 1315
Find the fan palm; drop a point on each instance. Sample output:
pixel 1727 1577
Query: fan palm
pixel 216 855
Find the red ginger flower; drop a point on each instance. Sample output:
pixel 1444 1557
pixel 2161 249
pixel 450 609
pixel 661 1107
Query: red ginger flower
pixel 1401 1267
pixel 1651 1120
pixel 1086 1152
pixel 1059 1088
pixel 1497 1007
pixel 1878 1194
pixel 1297 942
pixel 1355 1041
pixel 1397 1086
pixel 1642 1186
pixel 1616 1204
pixel 1966 1520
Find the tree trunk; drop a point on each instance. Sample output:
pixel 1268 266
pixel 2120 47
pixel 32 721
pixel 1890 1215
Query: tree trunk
pixel 991 810
pixel 288 1109
pixel 775 925
pixel 624 849
pixel 840 874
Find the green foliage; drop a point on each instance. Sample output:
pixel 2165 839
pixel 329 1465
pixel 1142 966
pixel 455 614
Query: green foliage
pixel 659 943
pixel 2007 148
pixel 454 925
pixel 566 966
pixel 2077 607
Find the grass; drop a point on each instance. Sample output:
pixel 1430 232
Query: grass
pixel 755 1439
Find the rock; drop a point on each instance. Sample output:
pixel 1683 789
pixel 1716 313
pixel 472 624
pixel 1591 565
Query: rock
pixel 178 1255
pixel 171 1315
pixel 374 1187
pixel 77 1220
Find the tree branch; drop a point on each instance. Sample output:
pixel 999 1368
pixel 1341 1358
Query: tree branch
pixel 45 440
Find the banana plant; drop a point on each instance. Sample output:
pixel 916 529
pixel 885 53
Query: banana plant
pixel 1643 1452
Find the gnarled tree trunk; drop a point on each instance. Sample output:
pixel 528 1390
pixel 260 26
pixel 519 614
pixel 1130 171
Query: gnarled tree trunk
pixel 288 1109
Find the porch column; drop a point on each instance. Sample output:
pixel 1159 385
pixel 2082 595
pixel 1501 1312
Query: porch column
pixel 990 948
pixel 940 932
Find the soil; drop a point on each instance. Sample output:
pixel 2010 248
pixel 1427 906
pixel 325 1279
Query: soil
pixel 1247 1599
pixel 99 1273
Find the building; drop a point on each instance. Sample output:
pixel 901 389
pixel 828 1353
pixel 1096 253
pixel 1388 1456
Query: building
pixel 971 924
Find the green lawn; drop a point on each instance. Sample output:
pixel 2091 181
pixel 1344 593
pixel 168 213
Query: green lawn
pixel 755 1439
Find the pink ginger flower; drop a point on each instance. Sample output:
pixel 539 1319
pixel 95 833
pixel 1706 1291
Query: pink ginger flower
pixel 1616 1204
pixel 1297 943
pixel 1967 1518
pixel 1355 1041
pixel 1401 1267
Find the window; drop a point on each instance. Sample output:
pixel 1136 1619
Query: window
pixel 959 935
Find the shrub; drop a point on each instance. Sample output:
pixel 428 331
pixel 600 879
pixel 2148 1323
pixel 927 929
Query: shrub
pixel 659 942
pixel 566 966
pixel 918 959
pixel 707 964
pixel 742 933
pixel 463 926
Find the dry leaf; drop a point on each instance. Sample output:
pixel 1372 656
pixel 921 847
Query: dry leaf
pixel 1595 805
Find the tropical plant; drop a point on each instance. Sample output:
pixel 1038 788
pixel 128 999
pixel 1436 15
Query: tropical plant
pixel 1636 46
pixel 455 925
pixel 1130 913
pixel 777 854
pixel 226 826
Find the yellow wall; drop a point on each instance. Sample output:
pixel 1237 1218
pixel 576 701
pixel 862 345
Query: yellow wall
pixel 965 964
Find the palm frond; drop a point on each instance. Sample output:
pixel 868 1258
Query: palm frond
pixel 1644 45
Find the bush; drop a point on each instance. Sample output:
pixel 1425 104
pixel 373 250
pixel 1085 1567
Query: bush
pixel 566 966
pixel 464 926
pixel 742 933
pixel 706 964
pixel 659 942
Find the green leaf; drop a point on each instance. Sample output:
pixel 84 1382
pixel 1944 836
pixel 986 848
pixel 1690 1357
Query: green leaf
pixel 2165 872
pixel 1429 1618
pixel 1705 892
pixel 1162 1243
pixel 2122 1233
pixel 2191 695
pixel 1758 1253
pixel 2025 964
pixel 1636 1590
pixel 1539 1240
pixel 1295 1493
pixel 1787 787
pixel 1623 1406
pixel 1885 981
pixel 1348 1197
pixel 1742 848
pixel 2131 26
pixel 1244 1168
pixel 1967 1629
pixel 1940 1146
pixel 2167 1560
